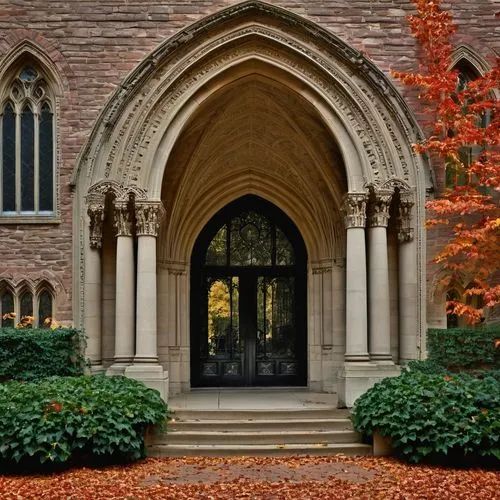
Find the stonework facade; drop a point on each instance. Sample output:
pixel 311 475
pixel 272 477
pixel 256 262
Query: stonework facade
pixel 166 112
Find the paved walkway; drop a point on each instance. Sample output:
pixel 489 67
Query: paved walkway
pixel 252 399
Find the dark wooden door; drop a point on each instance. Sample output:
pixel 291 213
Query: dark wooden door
pixel 248 299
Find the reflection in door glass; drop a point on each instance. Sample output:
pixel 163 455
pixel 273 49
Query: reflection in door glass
pixel 276 332
pixel 223 317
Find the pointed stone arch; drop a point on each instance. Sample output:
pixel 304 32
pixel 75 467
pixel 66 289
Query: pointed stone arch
pixel 133 148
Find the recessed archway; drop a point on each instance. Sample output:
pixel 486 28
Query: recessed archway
pixel 256 100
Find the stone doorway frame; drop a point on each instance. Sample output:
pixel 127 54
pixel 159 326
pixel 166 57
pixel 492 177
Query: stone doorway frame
pixel 125 158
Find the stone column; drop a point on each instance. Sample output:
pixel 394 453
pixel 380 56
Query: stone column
pixel 93 283
pixel 145 366
pixel 356 292
pixel 379 325
pixel 407 283
pixel 125 290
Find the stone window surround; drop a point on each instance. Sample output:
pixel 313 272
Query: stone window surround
pixel 18 291
pixel 21 58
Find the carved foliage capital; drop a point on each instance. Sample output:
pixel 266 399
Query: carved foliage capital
pixel 148 217
pixel 405 231
pixel 378 209
pixel 354 209
pixel 95 211
pixel 122 219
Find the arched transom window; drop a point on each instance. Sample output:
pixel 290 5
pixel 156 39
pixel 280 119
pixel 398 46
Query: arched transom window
pixel 27 146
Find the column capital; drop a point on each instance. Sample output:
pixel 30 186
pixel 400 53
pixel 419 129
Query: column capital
pixel 122 218
pixel 405 231
pixel 378 208
pixel 148 216
pixel 354 208
pixel 95 211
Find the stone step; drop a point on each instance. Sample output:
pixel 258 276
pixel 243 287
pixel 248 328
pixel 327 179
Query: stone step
pixel 319 424
pixel 278 449
pixel 271 414
pixel 257 436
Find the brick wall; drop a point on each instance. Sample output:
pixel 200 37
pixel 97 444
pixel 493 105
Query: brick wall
pixel 95 43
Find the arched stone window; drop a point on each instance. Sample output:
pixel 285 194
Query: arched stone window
pixel 27 159
pixel 21 305
pixel 45 309
pixel 456 176
pixel 6 308
pixel 452 320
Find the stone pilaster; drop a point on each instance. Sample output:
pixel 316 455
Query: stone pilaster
pixel 407 283
pixel 356 292
pixel 145 367
pixel 125 289
pixel 378 278
pixel 93 282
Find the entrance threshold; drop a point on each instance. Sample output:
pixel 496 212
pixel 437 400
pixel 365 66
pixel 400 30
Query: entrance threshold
pixel 253 398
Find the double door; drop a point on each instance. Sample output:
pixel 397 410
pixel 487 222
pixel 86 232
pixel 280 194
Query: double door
pixel 251 329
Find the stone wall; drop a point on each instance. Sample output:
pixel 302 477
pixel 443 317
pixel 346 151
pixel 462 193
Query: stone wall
pixel 95 44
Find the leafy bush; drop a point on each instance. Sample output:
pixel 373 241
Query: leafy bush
pixel 425 366
pixel 464 347
pixel 34 354
pixel 433 414
pixel 64 419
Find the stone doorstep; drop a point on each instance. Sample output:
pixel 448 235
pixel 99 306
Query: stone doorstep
pixel 278 449
pixel 259 437
pixel 192 414
pixel 324 424
pixel 306 431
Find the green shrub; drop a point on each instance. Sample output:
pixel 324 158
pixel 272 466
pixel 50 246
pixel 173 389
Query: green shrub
pixel 433 414
pixel 425 366
pixel 464 347
pixel 63 419
pixel 35 354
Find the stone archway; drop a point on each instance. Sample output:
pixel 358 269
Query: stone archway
pixel 255 100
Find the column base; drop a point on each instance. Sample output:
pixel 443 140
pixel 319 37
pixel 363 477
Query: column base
pixel 97 369
pixel 151 375
pixel 117 369
pixel 382 359
pixel 356 378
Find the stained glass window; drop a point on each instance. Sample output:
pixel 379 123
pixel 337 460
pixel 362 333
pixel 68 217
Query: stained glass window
pixel 7 309
pixel 27 160
pixel 8 159
pixel 250 239
pixel 26 305
pixel 27 145
pixel 45 161
pixel 44 309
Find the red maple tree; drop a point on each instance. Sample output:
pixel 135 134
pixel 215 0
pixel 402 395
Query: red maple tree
pixel 465 118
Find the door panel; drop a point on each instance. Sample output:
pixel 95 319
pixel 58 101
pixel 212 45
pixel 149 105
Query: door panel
pixel 248 307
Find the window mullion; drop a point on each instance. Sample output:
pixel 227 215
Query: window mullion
pixel 36 159
pixel 1 159
pixel 18 158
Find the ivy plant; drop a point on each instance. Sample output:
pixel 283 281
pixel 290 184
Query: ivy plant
pixel 64 419
pixel 427 414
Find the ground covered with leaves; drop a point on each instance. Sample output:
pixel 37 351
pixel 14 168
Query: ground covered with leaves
pixel 336 477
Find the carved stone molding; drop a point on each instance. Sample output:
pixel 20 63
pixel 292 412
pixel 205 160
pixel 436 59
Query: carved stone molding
pixel 405 231
pixel 95 211
pixel 378 208
pixel 122 219
pixel 354 208
pixel 148 217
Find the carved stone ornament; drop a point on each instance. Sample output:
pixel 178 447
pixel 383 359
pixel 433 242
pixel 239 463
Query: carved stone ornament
pixel 378 209
pixel 95 211
pixel 122 219
pixel 354 209
pixel 405 231
pixel 148 216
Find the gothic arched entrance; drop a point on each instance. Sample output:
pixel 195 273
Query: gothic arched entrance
pixel 248 298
